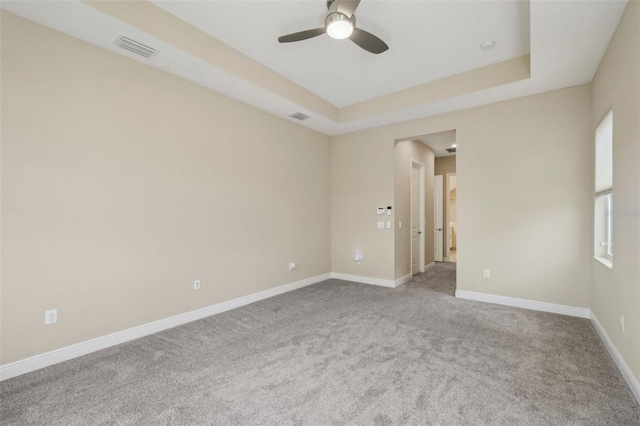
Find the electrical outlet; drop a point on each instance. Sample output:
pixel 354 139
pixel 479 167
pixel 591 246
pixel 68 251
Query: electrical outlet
pixel 621 322
pixel 486 273
pixel 196 284
pixel 292 266
pixel 50 316
pixel 357 257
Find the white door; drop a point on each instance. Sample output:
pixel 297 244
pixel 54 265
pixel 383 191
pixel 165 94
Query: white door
pixel 415 221
pixel 450 218
pixel 437 218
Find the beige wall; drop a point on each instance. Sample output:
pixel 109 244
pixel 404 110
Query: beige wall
pixel 122 184
pixel 444 165
pixel 538 245
pixel 616 86
pixel 404 152
pixel 524 199
pixel 361 180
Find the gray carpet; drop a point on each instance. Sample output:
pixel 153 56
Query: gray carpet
pixel 342 353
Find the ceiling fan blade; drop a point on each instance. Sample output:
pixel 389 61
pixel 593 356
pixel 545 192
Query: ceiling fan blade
pixel 302 35
pixel 368 41
pixel 347 7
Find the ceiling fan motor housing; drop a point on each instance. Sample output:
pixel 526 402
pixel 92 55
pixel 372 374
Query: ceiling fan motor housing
pixel 339 17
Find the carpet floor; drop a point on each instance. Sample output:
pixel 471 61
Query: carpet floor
pixel 341 353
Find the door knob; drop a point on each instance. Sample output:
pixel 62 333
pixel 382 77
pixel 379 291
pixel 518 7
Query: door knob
pixel 438 229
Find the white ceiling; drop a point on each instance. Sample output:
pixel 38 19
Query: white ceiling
pixel 428 40
pixel 567 41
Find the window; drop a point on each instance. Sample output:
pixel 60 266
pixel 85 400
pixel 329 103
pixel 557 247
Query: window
pixel 603 220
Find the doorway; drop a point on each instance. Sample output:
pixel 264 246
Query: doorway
pixel 417 217
pixel 451 221
pixel 416 165
pixel 438 237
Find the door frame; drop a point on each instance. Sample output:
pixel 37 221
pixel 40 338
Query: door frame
pixel 446 210
pixel 415 164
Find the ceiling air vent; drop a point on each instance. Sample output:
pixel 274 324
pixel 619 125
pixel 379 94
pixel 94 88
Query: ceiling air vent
pixel 451 150
pixel 135 47
pixel 299 116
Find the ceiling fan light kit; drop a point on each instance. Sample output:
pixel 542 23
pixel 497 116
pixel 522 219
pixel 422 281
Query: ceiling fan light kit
pixel 340 24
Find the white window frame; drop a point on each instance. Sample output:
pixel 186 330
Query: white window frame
pixel 609 235
pixel 603 212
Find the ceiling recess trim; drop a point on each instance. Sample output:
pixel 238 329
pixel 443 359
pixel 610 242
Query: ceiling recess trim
pixel 160 24
pixel 494 75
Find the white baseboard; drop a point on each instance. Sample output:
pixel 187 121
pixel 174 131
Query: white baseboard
pixel 524 303
pixel 364 280
pixel 373 281
pixel 429 265
pixel 573 311
pixel 402 280
pixel 37 362
pixel 628 375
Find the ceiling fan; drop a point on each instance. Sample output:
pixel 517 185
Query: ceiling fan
pixel 340 23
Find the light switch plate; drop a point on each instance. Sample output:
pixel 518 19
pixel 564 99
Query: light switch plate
pixel 380 210
pixel 380 225
pixel 389 224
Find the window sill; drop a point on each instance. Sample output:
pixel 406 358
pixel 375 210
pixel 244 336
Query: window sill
pixel 606 262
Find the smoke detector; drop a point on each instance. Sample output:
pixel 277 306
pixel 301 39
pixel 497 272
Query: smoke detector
pixel 488 45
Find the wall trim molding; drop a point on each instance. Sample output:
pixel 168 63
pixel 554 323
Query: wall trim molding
pixel 373 281
pixel 56 356
pixel 402 280
pixel 364 280
pixel 628 375
pixel 534 305
pixel 429 265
